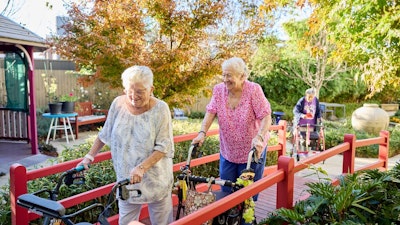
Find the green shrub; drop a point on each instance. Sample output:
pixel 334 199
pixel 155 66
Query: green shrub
pixel 197 115
pixel 335 131
pixel 98 175
pixel 366 197
pixel 43 125
pixel 5 205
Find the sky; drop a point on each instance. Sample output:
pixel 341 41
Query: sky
pixel 35 16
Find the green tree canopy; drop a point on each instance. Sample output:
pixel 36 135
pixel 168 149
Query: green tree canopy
pixel 365 33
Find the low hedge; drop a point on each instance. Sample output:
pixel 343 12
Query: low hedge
pixel 335 131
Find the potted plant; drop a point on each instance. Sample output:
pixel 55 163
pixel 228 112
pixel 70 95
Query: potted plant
pixel 68 103
pixel 50 86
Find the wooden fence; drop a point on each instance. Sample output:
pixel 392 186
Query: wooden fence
pixel 67 83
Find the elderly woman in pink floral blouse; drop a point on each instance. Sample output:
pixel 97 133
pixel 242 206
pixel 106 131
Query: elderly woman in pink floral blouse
pixel 244 118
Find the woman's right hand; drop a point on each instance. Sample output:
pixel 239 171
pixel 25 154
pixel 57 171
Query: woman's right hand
pixel 85 162
pixel 199 139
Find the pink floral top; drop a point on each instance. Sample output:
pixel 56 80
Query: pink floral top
pixel 240 125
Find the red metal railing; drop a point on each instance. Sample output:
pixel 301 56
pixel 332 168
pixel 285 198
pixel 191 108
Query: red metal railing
pixel 282 175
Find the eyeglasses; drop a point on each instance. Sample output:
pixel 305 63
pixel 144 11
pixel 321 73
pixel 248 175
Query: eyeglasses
pixel 139 93
pixel 226 76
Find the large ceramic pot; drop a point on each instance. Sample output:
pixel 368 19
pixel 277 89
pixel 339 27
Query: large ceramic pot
pixel 68 107
pixel 55 108
pixel 370 118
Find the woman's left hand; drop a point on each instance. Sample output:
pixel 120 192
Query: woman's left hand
pixel 136 174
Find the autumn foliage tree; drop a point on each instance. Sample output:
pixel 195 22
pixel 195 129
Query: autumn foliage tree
pixel 183 42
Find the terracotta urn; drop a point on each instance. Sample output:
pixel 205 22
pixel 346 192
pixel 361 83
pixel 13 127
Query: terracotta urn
pixel 370 118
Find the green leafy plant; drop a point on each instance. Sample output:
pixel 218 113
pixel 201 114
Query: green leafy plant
pixel 335 131
pixel 69 98
pixel 98 175
pixel 365 197
pixel 5 209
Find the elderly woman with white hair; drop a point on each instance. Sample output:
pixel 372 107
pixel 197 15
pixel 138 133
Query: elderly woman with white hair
pixel 138 130
pixel 244 118
pixel 307 109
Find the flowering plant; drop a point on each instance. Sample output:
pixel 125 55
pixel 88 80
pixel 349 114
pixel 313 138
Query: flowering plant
pixel 50 86
pixel 68 98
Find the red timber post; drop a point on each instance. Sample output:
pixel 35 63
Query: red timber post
pixel 285 187
pixel 17 188
pixel 349 155
pixel 384 148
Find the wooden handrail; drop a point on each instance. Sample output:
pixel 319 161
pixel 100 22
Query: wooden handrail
pixel 284 178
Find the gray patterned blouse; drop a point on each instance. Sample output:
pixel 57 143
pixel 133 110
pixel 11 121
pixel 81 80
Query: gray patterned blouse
pixel 133 138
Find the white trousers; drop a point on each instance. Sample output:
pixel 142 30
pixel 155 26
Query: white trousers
pixel 161 212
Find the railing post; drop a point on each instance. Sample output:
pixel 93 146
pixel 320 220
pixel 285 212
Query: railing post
pixel 285 188
pixel 19 215
pixel 384 148
pixel 282 137
pixel 349 155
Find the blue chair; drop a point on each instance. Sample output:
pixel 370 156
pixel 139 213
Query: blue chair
pixel 277 117
pixel 179 114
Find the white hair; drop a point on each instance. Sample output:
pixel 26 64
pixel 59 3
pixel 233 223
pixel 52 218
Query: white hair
pixel 136 74
pixel 310 91
pixel 237 64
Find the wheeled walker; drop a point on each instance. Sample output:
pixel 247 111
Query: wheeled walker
pixel 55 213
pixel 307 138
pixel 235 214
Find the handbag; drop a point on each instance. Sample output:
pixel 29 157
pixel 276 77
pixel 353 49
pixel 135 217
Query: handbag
pixel 196 200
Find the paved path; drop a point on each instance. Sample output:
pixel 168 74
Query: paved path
pixel 17 152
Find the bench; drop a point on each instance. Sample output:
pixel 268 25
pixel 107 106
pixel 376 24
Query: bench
pixel 325 111
pixel 87 115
